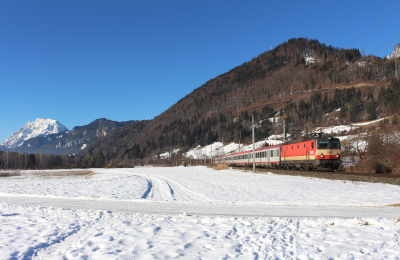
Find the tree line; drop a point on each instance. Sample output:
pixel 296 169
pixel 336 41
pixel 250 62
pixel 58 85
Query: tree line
pixel 15 160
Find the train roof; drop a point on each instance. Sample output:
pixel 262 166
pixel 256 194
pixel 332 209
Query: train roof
pixel 256 150
pixel 309 138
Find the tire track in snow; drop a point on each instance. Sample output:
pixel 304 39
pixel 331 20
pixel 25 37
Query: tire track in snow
pixel 149 187
pixel 164 189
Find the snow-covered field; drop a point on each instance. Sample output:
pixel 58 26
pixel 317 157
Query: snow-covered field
pixel 195 213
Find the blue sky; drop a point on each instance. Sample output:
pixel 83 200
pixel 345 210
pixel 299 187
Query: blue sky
pixel 76 61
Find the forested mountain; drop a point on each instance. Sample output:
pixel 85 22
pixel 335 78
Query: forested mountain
pixel 299 81
pixel 317 77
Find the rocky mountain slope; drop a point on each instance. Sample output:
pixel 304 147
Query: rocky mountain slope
pixel 396 53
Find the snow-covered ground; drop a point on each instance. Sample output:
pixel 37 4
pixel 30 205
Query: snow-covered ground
pixel 346 128
pixel 193 213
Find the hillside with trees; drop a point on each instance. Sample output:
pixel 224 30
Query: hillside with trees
pixel 299 81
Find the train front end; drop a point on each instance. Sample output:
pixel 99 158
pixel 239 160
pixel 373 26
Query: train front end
pixel 328 153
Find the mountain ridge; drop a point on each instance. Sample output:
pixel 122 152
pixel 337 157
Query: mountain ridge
pixel 70 142
pixel 32 129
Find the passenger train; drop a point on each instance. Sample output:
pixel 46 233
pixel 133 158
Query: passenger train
pixel 313 153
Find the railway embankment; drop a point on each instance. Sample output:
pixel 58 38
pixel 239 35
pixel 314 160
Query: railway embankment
pixel 344 176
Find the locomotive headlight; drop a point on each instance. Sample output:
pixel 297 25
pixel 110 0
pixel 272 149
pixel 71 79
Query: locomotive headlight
pixel 322 155
pixel 337 155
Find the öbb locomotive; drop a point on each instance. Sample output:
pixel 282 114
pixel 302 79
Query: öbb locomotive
pixel 313 153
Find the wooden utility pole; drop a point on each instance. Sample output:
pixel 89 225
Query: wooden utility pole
pixel 211 155
pixel 222 153
pixel 284 131
pixel 252 132
pixel 240 137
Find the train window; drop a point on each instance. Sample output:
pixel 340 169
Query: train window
pixel 335 143
pixel 304 145
pixel 312 145
pixel 323 144
pixel 272 153
pixel 292 147
pixel 297 146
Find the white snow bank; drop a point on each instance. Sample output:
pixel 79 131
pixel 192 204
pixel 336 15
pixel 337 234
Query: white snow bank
pixel 369 122
pixel 345 128
pixel 50 233
pixel 169 154
pixel 203 185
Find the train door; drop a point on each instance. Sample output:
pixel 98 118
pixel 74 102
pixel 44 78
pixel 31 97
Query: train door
pixel 284 157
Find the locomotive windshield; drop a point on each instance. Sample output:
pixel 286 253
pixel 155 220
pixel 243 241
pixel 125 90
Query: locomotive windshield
pixel 335 143
pixel 323 144
pixel 329 144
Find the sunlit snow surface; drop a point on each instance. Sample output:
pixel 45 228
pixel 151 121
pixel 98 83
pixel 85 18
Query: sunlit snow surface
pixel 51 232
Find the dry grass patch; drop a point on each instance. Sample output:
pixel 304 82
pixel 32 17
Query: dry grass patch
pixel 60 174
pixel 10 173
pixel 221 166
pixel 394 205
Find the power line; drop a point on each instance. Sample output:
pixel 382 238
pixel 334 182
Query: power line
pixel 342 50
pixel 358 104
pixel 354 64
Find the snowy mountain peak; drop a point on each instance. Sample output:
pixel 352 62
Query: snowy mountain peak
pixel 396 52
pixel 39 127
